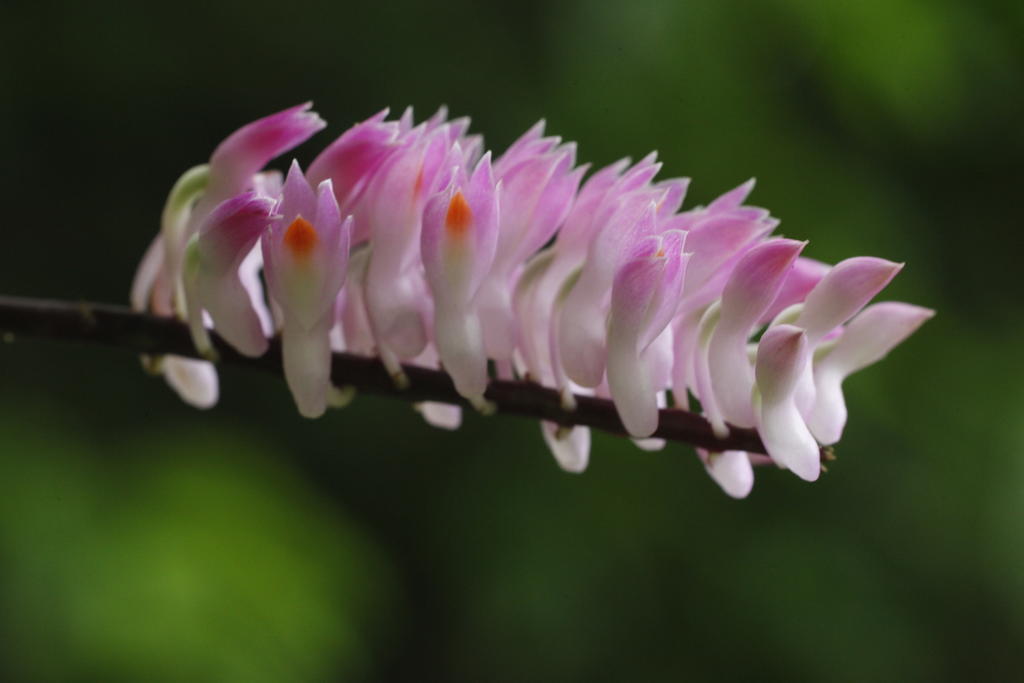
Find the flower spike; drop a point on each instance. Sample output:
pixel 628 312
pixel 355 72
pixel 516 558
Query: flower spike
pixel 408 243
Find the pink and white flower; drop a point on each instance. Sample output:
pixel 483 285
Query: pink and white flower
pixel 305 256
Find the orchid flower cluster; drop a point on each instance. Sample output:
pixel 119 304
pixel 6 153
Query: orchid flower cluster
pixel 410 243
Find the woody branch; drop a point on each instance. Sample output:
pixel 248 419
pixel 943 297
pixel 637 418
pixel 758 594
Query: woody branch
pixel 120 327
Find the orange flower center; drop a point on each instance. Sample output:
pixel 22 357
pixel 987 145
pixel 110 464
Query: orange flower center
pixel 459 216
pixel 300 237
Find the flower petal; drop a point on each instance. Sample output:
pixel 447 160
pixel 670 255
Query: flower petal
pixel 306 354
pixel 225 238
pixel 352 308
pixel 249 148
pixel 195 381
pixel 733 198
pixel 644 295
pixel 782 355
pixel 441 415
pixel 866 340
pixel 351 160
pixel 804 276
pixel 843 292
pixel 750 290
pixel 731 470
pixel 458 243
pixel 582 328
pixel 569 445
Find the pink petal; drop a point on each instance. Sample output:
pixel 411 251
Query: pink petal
pixel 297 197
pixel 352 307
pixel 581 323
pixel 843 292
pixel 580 223
pixel 733 198
pixel 665 302
pixel 530 218
pixel 482 193
pixel 248 149
pixel 526 145
pixel 750 290
pixel 675 193
pixel 335 235
pixel 640 174
pixel 225 238
pixel 553 206
pixel 800 280
pixel 352 159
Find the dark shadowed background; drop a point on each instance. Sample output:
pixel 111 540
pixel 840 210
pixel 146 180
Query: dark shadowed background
pixel 142 540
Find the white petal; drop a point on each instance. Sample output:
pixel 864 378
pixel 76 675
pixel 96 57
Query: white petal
pixel 732 471
pixel 866 340
pixel 441 415
pixel 195 381
pixel 629 380
pixel 828 416
pixel 788 440
pixel 782 356
pixel 307 365
pixel 571 447
pixel 460 345
pixel 874 333
pixel 650 445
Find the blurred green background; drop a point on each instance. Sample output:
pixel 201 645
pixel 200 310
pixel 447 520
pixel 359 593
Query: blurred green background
pixel 141 540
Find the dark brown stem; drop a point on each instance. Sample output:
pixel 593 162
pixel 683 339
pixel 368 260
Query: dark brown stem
pixel 123 328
